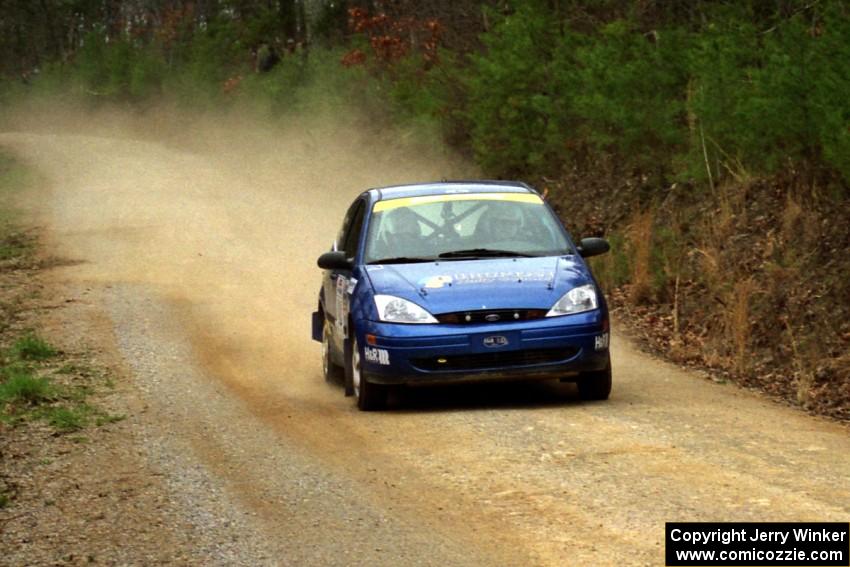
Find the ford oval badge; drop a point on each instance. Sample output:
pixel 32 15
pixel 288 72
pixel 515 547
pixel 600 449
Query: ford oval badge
pixel 492 317
pixel 495 341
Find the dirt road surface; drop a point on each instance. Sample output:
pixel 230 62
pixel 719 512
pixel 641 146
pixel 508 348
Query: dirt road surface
pixel 199 245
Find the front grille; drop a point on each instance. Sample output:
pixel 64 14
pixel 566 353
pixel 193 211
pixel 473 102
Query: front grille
pixel 494 360
pixel 491 316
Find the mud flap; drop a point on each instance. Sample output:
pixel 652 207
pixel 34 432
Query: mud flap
pixel 317 326
pixel 349 374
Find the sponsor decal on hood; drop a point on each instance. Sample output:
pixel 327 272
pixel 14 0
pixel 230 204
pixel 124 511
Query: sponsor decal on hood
pixel 499 283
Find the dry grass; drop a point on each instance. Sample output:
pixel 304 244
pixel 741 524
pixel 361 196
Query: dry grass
pixel 639 237
pixel 805 379
pixel 801 229
pixel 790 215
pixel 738 324
pixel 715 232
pixel 729 204
pixel 841 366
pixel 723 221
pixel 709 264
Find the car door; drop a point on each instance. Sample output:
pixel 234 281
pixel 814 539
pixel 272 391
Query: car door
pixel 338 284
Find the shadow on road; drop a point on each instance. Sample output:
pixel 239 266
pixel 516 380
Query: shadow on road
pixel 485 396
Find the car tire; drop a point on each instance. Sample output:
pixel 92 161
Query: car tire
pixel 370 396
pixel 595 385
pixel 332 372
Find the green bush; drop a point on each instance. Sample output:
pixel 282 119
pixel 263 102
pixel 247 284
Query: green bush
pixel 720 87
pixel 540 90
pixel 13 244
pixel 198 68
pixel 720 62
pixel 612 270
pixel 829 100
pixel 32 347
pixel 118 68
pixel 511 94
pixel 21 386
pixel 66 419
pixel 425 98
pixel 763 97
pixel 741 88
pixel 627 91
pixel 91 64
pixel 277 91
pixel 415 90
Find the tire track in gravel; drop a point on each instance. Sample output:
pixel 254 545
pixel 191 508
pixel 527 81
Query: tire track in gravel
pixel 220 240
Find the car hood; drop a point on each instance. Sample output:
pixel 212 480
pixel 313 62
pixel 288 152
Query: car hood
pixel 466 285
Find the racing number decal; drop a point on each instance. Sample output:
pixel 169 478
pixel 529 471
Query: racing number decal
pixel 344 289
pixel 341 306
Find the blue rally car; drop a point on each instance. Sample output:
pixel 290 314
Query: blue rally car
pixel 459 281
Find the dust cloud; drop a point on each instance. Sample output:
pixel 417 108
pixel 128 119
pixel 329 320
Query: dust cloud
pixel 222 214
pixel 221 218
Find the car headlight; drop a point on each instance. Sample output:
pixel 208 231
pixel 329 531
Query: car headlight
pixel 397 310
pixel 577 300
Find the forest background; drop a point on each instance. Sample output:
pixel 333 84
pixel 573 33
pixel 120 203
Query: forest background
pixel 709 141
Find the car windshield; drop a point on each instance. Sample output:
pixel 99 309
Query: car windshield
pixel 463 226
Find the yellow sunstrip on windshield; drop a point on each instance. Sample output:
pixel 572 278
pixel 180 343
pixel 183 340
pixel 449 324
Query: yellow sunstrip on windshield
pixel 390 204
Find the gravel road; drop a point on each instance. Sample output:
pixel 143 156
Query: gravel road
pixel 201 247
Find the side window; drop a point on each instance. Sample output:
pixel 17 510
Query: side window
pixel 346 223
pixel 353 230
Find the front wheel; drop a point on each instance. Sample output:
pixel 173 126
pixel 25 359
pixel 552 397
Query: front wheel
pixel 370 396
pixel 595 385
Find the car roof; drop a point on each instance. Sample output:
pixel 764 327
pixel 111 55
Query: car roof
pixel 448 188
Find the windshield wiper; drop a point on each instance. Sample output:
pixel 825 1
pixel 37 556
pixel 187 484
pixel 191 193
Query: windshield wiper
pixel 401 260
pixel 485 253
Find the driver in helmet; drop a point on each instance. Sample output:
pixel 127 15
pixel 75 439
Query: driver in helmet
pixel 404 234
pixel 505 220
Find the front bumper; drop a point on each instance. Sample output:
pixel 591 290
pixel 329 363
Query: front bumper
pixel 555 347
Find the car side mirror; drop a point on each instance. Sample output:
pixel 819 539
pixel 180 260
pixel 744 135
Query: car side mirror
pixel 334 260
pixel 593 247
